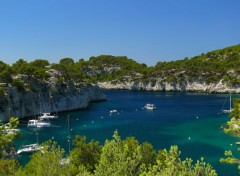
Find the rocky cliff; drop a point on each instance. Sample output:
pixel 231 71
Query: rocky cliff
pixel 219 87
pixel 49 96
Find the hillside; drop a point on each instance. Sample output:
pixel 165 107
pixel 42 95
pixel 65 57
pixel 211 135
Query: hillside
pixel 215 71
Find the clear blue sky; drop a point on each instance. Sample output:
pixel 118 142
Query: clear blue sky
pixel 147 31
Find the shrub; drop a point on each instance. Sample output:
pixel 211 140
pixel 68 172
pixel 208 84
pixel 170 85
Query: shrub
pixel 18 84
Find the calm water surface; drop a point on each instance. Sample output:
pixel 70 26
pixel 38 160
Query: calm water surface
pixel 189 120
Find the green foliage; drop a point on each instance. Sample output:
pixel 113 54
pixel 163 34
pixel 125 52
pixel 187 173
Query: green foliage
pixel 35 69
pixel 210 67
pixel 18 67
pixel 3 66
pixel 5 73
pixel 86 154
pixel 118 159
pixel 169 163
pixel 8 167
pixel 127 157
pixel 13 122
pixel 66 61
pixel 206 68
pixel 41 63
pixel 5 76
pixel 2 91
pixel 41 74
pixel 18 84
pixel 233 127
pixel 7 137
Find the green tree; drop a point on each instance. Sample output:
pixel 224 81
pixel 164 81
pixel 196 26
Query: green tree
pixel 115 159
pixel 169 163
pixel 7 137
pixel 8 167
pixel 233 128
pixel 5 77
pixel 18 67
pixel 41 74
pixel 66 61
pixel 40 63
pixel 18 84
pixel 86 154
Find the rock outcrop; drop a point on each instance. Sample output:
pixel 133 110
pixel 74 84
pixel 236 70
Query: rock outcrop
pixel 166 86
pixel 50 96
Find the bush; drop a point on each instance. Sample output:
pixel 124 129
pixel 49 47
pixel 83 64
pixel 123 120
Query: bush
pixel 18 84
pixel 2 91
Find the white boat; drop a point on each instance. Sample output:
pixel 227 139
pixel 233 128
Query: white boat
pixel 113 111
pixel 47 115
pixel 237 143
pixel 38 123
pixel 150 106
pixel 226 111
pixel 29 148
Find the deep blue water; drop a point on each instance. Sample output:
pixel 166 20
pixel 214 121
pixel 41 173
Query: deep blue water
pixel 189 120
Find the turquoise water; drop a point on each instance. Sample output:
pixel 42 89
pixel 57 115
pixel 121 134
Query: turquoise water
pixel 189 120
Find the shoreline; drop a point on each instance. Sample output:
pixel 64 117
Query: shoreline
pixel 170 87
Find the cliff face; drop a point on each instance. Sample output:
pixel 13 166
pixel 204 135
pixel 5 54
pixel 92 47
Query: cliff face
pixel 166 86
pixel 47 97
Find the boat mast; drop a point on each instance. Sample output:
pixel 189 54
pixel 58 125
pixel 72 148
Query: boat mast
pixel 68 137
pixel 9 103
pixel 53 105
pixel 39 103
pixel 37 136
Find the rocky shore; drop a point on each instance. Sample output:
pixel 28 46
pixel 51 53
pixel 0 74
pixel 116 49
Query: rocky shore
pixel 219 87
pixel 31 103
pixel 48 96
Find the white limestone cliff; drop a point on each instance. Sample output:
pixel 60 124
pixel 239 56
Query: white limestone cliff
pixel 196 86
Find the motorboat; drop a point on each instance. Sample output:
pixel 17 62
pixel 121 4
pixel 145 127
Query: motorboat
pixel 38 123
pixel 150 106
pixel 113 111
pixel 47 115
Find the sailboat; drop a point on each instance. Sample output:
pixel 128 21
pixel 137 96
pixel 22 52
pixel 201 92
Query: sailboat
pixel 226 111
pixel 30 148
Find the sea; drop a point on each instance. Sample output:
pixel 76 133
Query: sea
pixel 193 121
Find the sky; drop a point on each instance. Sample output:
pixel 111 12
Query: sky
pixel 147 31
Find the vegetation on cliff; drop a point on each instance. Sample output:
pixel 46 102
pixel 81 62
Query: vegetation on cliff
pixel 233 128
pixel 7 136
pixel 210 67
pixel 206 68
